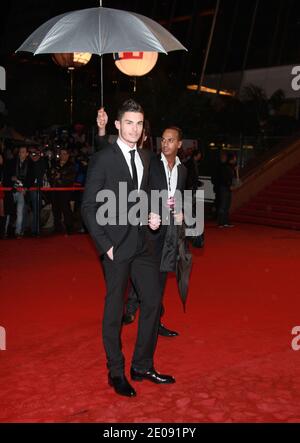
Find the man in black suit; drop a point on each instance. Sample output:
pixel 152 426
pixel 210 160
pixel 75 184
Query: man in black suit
pixel 124 251
pixel 167 173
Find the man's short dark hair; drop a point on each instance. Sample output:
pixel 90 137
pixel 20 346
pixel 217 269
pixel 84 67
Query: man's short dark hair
pixel 129 105
pixel 178 130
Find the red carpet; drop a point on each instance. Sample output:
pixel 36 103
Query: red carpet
pixel 233 360
pixel 277 205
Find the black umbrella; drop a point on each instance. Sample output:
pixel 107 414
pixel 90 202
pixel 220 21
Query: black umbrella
pixel 177 258
pixel 183 266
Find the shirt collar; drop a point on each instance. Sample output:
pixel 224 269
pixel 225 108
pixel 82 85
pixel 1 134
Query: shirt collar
pixel 124 148
pixel 165 161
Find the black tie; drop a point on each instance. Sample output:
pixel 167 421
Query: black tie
pixel 134 171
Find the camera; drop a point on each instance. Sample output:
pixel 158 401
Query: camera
pixel 17 184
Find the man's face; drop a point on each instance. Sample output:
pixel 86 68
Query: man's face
pixel 23 154
pixel 64 156
pixel 170 143
pixel 130 127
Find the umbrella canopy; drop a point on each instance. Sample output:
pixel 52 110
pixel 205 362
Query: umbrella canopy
pixel 100 31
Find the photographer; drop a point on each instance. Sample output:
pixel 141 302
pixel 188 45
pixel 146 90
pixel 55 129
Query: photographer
pixel 81 165
pixel 62 175
pixel 39 166
pixel 18 173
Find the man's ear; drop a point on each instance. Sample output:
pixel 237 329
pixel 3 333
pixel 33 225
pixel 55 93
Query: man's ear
pixel 180 145
pixel 117 124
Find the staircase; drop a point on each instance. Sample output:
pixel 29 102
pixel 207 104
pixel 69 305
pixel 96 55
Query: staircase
pixel 276 205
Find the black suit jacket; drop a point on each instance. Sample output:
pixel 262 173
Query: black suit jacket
pixel 107 168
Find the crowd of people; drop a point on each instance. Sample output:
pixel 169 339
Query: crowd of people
pixel 30 173
pixel 61 161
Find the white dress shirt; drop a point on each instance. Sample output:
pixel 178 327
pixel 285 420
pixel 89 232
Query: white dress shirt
pixel 137 160
pixel 171 175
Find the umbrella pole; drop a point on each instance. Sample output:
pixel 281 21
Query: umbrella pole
pixel 101 69
pixel 71 94
pixel 101 80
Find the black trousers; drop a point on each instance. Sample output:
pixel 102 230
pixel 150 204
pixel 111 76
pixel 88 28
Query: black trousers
pixel 143 271
pixel 133 300
pixel 61 206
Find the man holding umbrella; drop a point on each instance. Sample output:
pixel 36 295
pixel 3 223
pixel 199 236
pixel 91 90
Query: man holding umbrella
pixel 158 183
pixel 124 252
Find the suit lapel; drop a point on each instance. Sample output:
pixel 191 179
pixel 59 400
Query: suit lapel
pixel 145 161
pixel 163 178
pixel 179 177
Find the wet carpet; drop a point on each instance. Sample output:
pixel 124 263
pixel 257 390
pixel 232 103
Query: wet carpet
pixel 233 360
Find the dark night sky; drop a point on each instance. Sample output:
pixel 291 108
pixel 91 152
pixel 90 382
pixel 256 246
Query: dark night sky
pixel 275 38
pixel 275 41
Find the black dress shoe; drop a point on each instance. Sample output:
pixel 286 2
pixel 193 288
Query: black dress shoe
pixel 128 318
pixel 151 375
pixel 121 386
pixel 165 332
